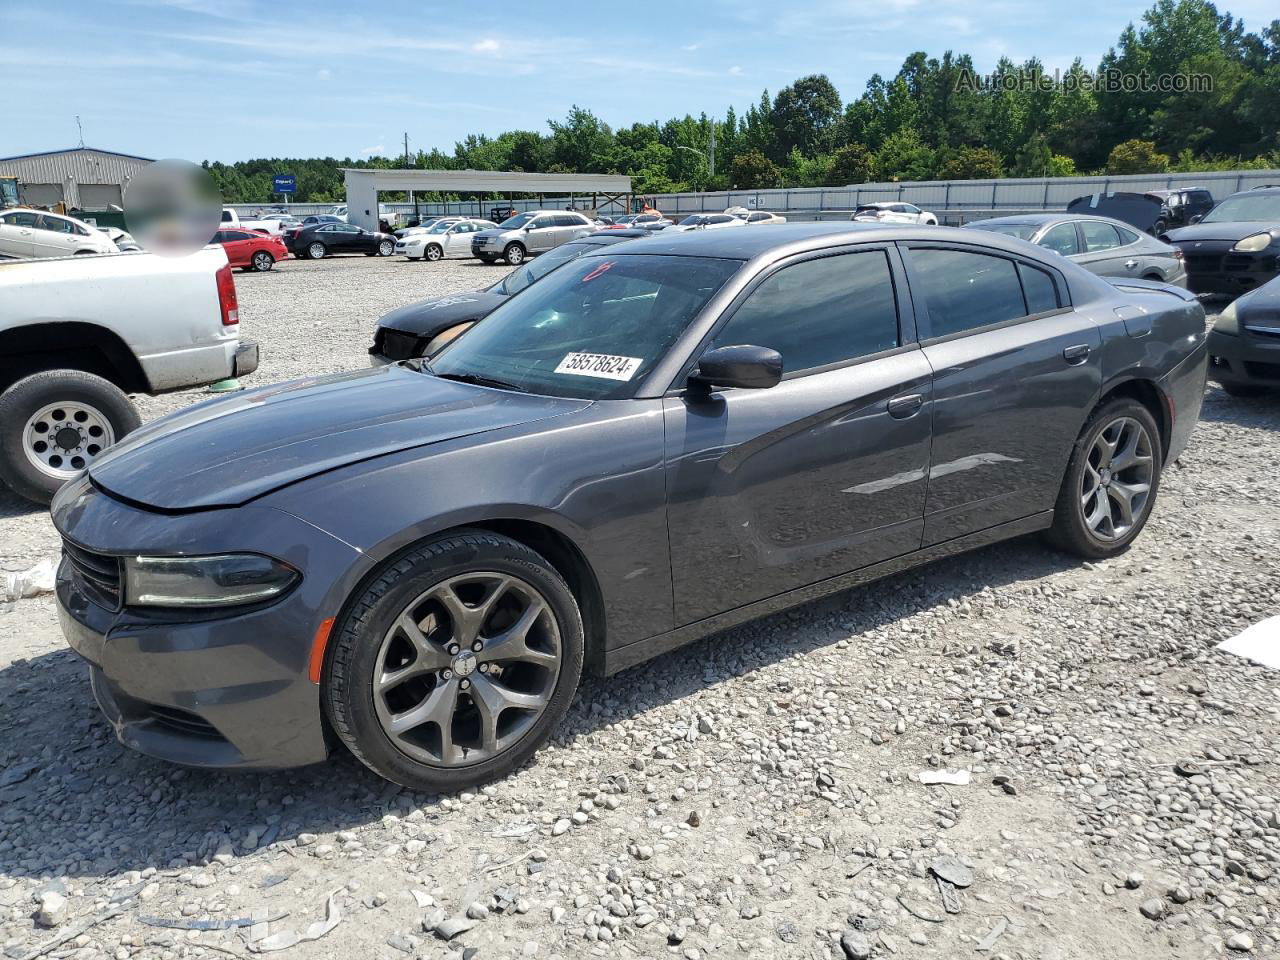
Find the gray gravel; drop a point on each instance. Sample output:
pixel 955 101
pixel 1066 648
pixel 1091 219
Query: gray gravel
pixel 756 794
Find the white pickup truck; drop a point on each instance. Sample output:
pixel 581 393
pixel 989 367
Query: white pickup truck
pixel 231 218
pixel 79 334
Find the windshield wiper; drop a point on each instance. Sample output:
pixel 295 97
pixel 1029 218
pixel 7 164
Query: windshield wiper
pixel 477 379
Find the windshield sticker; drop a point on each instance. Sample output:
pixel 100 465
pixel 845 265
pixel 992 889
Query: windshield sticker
pixel 607 265
pixel 599 365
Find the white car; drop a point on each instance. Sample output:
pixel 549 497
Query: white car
pixel 448 237
pixel 36 233
pixel 709 221
pixel 894 212
pixel 755 217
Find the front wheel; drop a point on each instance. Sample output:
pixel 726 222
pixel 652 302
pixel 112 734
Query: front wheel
pixel 263 261
pixel 54 424
pixel 316 251
pixel 1111 482
pixel 456 663
pixel 514 254
pixel 386 248
pixel 433 252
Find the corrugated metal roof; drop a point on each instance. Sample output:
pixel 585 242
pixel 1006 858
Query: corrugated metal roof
pixel 50 153
pixel 483 181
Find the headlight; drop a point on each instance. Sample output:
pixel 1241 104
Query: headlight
pixel 215 581
pixel 1254 243
pixel 1227 321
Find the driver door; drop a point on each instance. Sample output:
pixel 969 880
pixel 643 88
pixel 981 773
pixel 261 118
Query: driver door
pixel 771 490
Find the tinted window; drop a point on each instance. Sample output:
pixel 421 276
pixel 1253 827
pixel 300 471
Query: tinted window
pixel 564 220
pixel 626 310
pixel 539 267
pixel 1062 239
pixel 226 216
pixel 1127 236
pixel 966 290
pixel 1099 236
pixel 1023 231
pixel 56 224
pixel 820 311
pixel 1039 288
pixel 543 222
pixel 219 237
pixel 1200 197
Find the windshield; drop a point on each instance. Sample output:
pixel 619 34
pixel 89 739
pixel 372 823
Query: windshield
pixel 1259 207
pixel 516 222
pixel 592 329
pixel 694 220
pixel 521 277
pixel 441 226
pixel 1023 231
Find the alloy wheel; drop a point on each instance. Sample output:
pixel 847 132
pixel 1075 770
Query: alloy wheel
pixel 316 251
pixel 434 252
pixel 262 261
pixel 467 668
pixel 1116 482
pixel 61 439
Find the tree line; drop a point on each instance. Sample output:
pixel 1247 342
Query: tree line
pixel 934 119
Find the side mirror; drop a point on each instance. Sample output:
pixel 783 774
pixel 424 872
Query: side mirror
pixel 1196 218
pixel 751 367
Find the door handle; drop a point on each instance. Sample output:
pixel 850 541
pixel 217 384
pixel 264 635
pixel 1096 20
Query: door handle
pixel 900 408
pixel 1078 353
pixel 1131 263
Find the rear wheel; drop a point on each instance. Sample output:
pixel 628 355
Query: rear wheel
pixel 263 261
pixel 54 424
pixel 1111 482
pixel 317 251
pixel 456 663
pixel 514 254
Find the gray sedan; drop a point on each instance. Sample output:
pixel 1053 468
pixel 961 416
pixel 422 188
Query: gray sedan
pixel 654 442
pixel 1103 246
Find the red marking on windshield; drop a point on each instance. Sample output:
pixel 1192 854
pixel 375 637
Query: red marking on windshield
pixel 607 265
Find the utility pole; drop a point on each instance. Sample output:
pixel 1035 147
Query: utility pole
pixel 711 153
pixel 407 164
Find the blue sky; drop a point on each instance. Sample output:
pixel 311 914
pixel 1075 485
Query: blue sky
pixel 234 79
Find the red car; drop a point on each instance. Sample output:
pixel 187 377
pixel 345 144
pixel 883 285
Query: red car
pixel 251 250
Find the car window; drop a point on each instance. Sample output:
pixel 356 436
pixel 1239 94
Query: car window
pixel 539 267
pixel 757 216
pixel 346 228
pixel 1199 197
pixel 1039 288
pixel 56 224
pixel 327 228
pixel 1126 236
pixel 19 219
pixel 820 312
pixel 909 208
pixel 1023 231
pixel 592 329
pixel 541 223
pixel 1099 236
pixel 1062 239
pixel 218 237
pixel 1253 206
pixel 227 216
pixel 964 290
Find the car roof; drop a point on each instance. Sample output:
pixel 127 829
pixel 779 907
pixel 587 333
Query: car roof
pixel 605 237
pixel 785 239
pixel 1268 189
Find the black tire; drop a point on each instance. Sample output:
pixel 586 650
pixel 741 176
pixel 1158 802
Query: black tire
pixel 1070 531
pixel 386 248
pixel 514 254
pixel 317 250
pixel 1158 228
pixel 1241 389
pixel 488 261
pixel 262 261
pixel 433 252
pixel 352 655
pixel 26 397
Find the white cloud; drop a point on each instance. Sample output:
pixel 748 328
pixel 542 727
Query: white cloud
pixel 370 151
pixel 690 47
pixel 486 46
pixel 735 71
pixel 323 73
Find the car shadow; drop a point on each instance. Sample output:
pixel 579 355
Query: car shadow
pixel 116 810
pixel 1260 411
pixel 12 505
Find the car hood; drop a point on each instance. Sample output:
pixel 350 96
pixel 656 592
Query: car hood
pixel 1227 230
pixel 493 234
pixel 229 451
pixel 429 317
pixel 1261 307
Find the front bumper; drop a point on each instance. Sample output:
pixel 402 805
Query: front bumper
pixel 223 688
pixel 1244 359
pixel 1212 267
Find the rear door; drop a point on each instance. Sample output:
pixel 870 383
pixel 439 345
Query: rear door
pixel 770 490
pixel 1015 370
pixel 56 237
pixel 16 233
pixel 237 244
pixel 1104 250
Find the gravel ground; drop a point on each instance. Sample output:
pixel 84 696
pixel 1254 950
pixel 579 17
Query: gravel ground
pixel 757 794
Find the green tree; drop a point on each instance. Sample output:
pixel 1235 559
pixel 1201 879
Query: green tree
pixel 804 116
pixel 1136 156
pixel 754 171
pixel 972 163
pixel 852 163
pixel 904 156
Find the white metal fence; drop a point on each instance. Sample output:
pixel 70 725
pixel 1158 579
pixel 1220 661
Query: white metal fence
pixel 954 201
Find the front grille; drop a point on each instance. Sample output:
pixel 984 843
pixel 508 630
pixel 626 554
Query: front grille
pixel 187 724
pixel 1237 262
pixel 400 346
pixel 1203 263
pixel 1263 371
pixel 96 575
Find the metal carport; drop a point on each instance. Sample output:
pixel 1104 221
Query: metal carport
pixel 363 186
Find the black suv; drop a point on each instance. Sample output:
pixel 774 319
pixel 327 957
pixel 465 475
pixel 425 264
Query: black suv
pixel 1181 207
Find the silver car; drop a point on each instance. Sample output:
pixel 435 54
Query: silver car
pixel 529 233
pixel 1103 246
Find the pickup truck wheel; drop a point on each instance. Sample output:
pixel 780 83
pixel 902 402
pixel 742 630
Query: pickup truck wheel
pixel 54 424
pixel 263 261
pixel 316 251
pixel 514 254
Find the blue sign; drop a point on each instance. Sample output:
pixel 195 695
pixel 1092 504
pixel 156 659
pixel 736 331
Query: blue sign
pixel 284 183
